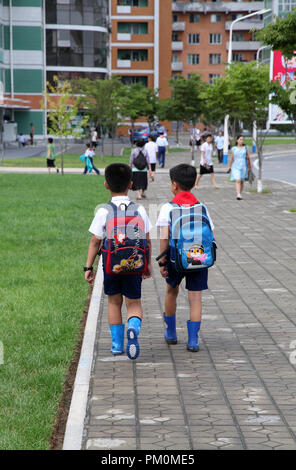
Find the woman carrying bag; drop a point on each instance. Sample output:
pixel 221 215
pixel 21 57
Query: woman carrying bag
pixel 239 165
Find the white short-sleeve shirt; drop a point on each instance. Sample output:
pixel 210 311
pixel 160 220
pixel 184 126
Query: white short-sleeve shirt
pixel 164 216
pixel 208 150
pixel 98 225
pixel 162 142
pixel 151 149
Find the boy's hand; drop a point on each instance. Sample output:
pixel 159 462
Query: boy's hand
pixel 164 272
pixel 89 276
pixel 148 272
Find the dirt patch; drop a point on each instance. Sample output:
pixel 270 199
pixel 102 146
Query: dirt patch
pixel 57 437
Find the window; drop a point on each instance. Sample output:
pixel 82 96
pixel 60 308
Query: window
pixel 237 57
pixel 216 18
pixel 193 38
pixel 237 36
pixel 212 77
pixel 74 48
pixel 175 17
pixel 215 38
pixel 133 28
pixel 175 57
pixel 135 55
pixel 194 18
pixel 192 59
pixel 215 59
pixel 132 3
pixel 92 13
pixel 175 37
pixel 130 80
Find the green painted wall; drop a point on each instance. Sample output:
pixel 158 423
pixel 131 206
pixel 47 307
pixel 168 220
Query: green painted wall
pixel 24 118
pixel 25 38
pixel 25 81
pixel 24 3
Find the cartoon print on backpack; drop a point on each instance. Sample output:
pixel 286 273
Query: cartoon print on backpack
pixel 133 262
pixel 196 255
pixel 120 238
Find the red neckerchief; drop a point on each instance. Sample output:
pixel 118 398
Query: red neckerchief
pixel 185 199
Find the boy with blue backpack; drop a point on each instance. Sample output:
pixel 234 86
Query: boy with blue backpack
pixel 121 230
pixel 188 249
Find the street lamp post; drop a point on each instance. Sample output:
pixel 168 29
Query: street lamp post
pixel 226 119
pixel 254 136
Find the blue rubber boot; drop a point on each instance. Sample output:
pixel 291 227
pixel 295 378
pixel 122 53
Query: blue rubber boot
pixel 117 335
pixel 170 334
pixel 193 329
pixel 132 347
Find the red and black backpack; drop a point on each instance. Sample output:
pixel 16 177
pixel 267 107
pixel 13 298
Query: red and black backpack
pixel 125 249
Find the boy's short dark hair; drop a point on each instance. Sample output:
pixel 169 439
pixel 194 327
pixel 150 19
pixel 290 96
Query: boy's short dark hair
pixel 50 140
pixel 185 175
pixel 140 143
pixel 118 177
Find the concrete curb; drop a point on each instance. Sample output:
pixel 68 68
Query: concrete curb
pixel 75 423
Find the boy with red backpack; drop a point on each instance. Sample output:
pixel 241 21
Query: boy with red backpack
pixel 121 229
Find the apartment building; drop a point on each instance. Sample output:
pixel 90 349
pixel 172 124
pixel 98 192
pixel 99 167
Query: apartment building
pixel 141 42
pixel 42 38
pixel 200 36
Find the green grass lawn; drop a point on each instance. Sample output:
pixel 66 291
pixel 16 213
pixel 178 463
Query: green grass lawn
pixel 70 161
pixel 273 141
pixel 44 240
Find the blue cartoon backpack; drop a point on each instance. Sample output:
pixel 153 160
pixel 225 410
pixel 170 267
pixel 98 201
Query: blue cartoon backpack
pixel 192 243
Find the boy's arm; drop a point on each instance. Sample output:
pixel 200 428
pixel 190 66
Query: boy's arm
pixel 148 273
pixel 164 245
pixel 94 246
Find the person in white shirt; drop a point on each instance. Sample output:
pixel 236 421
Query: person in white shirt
pixel 94 138
pixel 162 145
pixel 195 138
pixel 89 153
pixel 219 144
pixel 206 162
pixel 152 150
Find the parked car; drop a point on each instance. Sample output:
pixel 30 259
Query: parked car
pixel 143 132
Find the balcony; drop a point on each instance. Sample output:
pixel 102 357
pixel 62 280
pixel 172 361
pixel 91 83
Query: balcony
pixel 177 46
pixel 124 10
pixel 213 7
pixel 244 25
pixel 124 36
pixel 179 26
pixel 177 66
pixel 126 64
pixel 244 45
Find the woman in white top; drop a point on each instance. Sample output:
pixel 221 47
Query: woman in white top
pixel 206 162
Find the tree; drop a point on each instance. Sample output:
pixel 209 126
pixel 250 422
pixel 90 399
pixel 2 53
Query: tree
pixel 253 85
pixel 222 98
pixel 187 100
pixel 62 109
pixel 99 99
pixel 150 106
pixel 133 102
pixel 285 99
pixel 280 35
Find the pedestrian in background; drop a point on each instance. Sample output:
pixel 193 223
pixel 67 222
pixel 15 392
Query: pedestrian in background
pixel 152 150
pixel 51 155
pixel 206 162
pixel 94 138
pixel 140 176
pixel 32 130
pixel 89 153
pixel 219 144
pixel 162 145
pixel 239 164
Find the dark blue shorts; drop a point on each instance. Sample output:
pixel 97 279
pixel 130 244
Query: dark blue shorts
pixel 128 285
pixel 195 281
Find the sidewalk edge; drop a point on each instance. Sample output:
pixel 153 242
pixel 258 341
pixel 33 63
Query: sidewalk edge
pixel 75 422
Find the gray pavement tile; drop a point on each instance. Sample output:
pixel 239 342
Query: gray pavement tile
pixel 244 319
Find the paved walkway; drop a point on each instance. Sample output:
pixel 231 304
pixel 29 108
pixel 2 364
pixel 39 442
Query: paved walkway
pixel 239 390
